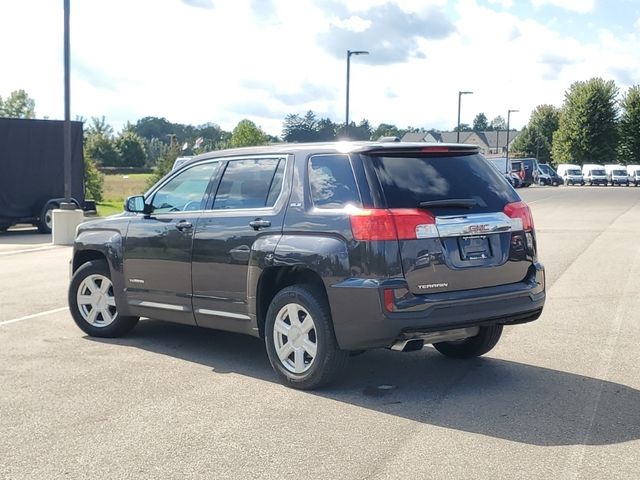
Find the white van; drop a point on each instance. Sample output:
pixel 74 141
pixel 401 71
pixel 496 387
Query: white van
pixel 570 173
pixel 617 174
pixel 634 174
pixel 594 174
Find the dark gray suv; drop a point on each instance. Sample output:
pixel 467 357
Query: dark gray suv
pixel 321 249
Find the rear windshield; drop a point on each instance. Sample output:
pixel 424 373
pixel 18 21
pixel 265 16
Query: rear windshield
pixel 408 181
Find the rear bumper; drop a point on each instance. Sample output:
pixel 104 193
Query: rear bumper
pixel 361 322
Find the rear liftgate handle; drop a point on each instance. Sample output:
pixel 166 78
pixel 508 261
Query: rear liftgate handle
pixel 258 223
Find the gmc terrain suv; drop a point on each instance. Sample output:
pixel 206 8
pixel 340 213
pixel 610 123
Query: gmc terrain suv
pixel 321 249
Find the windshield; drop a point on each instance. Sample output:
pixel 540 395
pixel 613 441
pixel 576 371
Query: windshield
pixel 409 181
pixel 546 169
pixel 621 173
pixel 598 172
pixel 574 171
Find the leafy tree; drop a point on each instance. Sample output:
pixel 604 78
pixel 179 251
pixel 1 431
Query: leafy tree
pixel 629 128
pixel 386 130
pixel 102 149
pixel 327 131
pixel 93 179
pixel 498 123
pixel 164 164
pixel 18 105
pixel 536 138
pixel 480 123
pixel 247 134
pixel 131 149
pixel 301 129
pixel 587 131
pixel 464 127
pixel 362 131
pixel 156 148
pixel 99 126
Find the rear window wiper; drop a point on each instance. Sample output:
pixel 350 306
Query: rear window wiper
pixel 450 203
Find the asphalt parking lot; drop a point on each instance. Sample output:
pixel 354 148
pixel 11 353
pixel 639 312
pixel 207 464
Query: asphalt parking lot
pixel 558 398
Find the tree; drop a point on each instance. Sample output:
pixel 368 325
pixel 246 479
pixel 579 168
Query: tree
pixel 93 179
pixel 587 131
pixel 247 134
pixel 536 138
pixel 498 123
pixel 629 128
pixel 480 123
pixel 164 164
pixel 301 129
pixel 18 105
pixel 99 126
pixel 386 130
pixel 464 127
pixel 131 149
pixel 102 149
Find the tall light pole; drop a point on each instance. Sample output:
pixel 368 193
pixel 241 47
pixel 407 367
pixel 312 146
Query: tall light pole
pixel 459 101
pixel 508 123
pixel 349 53
pixel 67 205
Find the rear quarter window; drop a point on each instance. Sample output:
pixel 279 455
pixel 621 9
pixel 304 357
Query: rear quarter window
pixel 408 181
pixel 332 182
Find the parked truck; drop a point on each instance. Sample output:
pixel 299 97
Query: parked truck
pixel 617 174
pixel 634 174
pixel 32 170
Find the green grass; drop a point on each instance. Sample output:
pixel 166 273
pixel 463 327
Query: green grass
pixel 108 208
pixel 118 187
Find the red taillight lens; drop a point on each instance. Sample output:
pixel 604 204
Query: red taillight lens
pixel 389 300
pixel 520 210
pixel 392 224
pixel 435 149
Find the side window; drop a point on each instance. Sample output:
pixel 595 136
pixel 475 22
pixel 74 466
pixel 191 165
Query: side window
pixel 332 182
pixel 185 192
pixel 250 184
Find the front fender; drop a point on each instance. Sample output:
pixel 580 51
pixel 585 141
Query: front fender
pixel 108 242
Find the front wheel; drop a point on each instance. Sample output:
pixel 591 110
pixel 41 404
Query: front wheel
pixel 93 304
pixel 476 346
pixel 300 339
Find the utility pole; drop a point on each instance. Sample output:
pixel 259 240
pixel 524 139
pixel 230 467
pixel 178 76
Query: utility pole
pixel 349 53
pixel 459 100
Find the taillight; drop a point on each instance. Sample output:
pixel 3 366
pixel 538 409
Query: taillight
pixel 520 212
pixel 392 224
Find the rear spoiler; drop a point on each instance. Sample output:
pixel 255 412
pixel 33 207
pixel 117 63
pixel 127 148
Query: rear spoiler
pixel 419 149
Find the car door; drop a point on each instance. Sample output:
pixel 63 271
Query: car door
pixel 157 249
pixel 248 207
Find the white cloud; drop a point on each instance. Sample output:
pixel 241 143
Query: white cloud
pixel 220 65
pixel 580 6
pixel 503 3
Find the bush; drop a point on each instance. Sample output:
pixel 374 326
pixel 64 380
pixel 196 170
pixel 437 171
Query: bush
pixel 93 180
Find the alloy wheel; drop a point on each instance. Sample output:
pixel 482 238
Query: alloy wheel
pixel 294 337
pixel 96 301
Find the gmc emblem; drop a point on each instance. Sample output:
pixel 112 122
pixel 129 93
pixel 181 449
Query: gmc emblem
pixel 479 228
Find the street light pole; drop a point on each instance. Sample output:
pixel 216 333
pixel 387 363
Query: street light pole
pixel 349 53
pixel 508 123
pixel 459 101
pixel 67 205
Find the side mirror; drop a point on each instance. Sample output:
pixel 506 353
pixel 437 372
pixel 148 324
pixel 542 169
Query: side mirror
pixel 136 204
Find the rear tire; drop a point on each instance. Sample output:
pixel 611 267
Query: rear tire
pixel 92 302
pixel 45 222
pixel 471 347
pixel 300 340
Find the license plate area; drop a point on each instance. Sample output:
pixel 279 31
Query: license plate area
pixel 475 247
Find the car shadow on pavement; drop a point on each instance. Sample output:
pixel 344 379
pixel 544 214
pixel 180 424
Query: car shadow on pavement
pixel 488 396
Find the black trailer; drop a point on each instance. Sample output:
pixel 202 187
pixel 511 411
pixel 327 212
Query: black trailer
pixel 32 170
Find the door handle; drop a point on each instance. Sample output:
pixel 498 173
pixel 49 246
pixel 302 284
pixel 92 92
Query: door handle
pixel 183 225
pixel 258 223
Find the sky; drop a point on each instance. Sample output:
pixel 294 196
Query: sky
pixel 219 61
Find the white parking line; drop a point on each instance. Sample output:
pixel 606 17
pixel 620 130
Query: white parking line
pixel 35 315
pixel 27 250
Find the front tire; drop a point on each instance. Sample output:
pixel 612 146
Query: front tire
pixel 92 302
pixel 300 340
pixel 476 346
